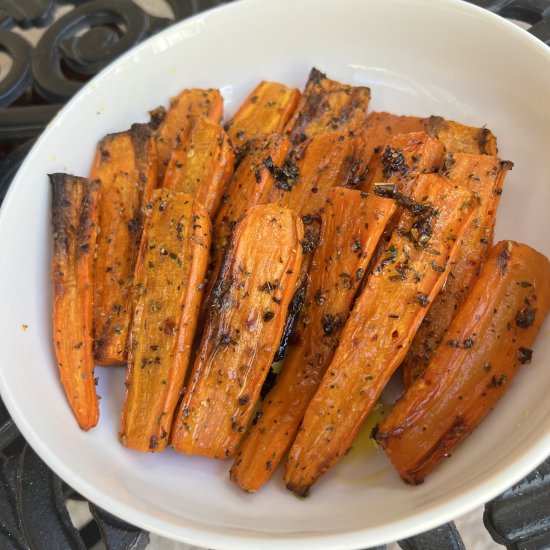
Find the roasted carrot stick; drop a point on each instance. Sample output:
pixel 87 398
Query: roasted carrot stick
pixel 265 111
pixel 243 330
pixel 459 138
pixel 201 163
pixel 380 126
pixel 251 185
pixel 391 124
pixel 351 226
pixel 310 171
pixel 401 159
pixel 327 105
pixel 189 103
pixel 484 175
pixel 75 227
pixel 380 327
pixel 126 164
pixel 168 283
pixel 317 165
pixel 489 338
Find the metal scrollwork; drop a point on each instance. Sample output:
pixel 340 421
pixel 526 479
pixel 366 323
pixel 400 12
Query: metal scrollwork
pixel 18 78
pixel 185 9
pixel 73 49
pixel 34 514
pixel 26 13
pixel 63 56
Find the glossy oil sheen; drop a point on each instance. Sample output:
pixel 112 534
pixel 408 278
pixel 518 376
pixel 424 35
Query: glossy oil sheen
pixel 419 57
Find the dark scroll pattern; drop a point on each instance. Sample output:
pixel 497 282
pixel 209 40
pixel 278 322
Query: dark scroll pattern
pixel 535 13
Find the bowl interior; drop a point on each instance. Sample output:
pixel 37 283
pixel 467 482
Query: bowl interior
pixel 419 57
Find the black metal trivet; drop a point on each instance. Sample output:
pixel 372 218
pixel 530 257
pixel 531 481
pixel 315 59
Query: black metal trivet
pixel 73 48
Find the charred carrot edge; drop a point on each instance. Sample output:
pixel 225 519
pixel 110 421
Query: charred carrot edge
pixel 487 341
pixel 242 332
pixel 484 175
pixel 191 102
pixel 126 164
pixel 251 185
pixel 456 137
pixel 171 266
pixel 381 126
pixel 302 184
pixel 74 225
pixel 202 163
pixel 311 170
pixel 351 226
pixel 402 158
pixel 328 105
pixel 310 242
pixel 459 138
pixel 265 111
pixel 380 327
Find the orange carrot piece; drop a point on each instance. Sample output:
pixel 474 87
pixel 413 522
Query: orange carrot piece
pixel 316 166
pixel 459 138
pixel 202 163
pixel 487 341
pixel 243 330
pixel 351 226
pixel 189 103
pixel 380 126
pixel 75 227
pixel 170 270
pixel 484 175
pixel 126 164
pixel 251 185
pixel 310 171
pixel 265 111
pixel 402 159
pixel 327 105
pixel 380 327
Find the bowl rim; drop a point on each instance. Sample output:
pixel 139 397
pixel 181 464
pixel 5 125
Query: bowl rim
pixel 471 495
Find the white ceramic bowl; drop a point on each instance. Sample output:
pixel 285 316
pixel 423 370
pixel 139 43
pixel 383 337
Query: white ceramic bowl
pixel 419 57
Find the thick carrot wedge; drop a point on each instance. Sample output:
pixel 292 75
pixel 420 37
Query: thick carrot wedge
pixel 456 137
pixel 351 226
pixel 126 164
pixel 168 284
pixel 243 330
pixel 327 105
pixel 311 170
pixel 318 165
pixel 265 111
pixel 380 327
pixel 381 126
pixel 402 159
pixel 459 138
pixel 484 175
pixel 392 124
pixel 251 185
pixel 189 103
pixel 489 338
pixel 75 227
pixel 201 163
